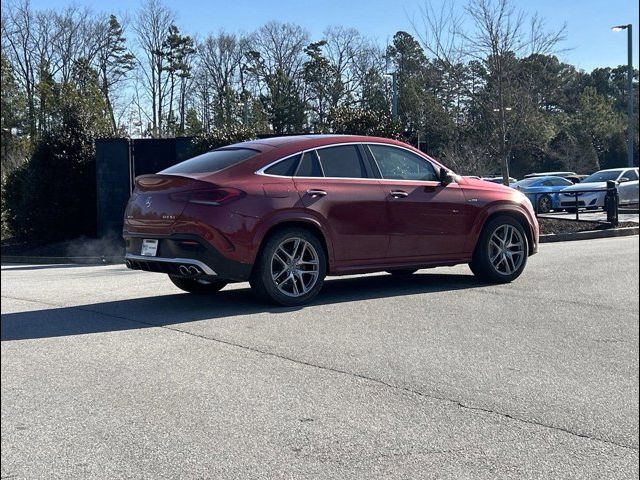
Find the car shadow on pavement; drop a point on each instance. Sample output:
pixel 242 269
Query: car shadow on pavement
pixel 180 308
pixel 18 268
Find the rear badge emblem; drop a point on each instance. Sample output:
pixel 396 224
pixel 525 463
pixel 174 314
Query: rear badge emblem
pixel 147 203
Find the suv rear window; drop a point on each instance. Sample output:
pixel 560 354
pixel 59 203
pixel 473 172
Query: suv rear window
pixel 213 161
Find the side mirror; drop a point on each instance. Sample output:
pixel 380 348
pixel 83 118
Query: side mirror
pixel 445 177
pixel 624 179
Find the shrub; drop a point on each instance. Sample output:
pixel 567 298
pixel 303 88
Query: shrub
pixel 52 196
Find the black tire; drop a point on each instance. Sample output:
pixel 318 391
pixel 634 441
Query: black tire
pixel 481 264
pixel 200 287
pixel 262 281
pixel 545 204
pixel 405 272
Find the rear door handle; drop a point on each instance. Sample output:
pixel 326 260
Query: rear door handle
pixel 316 193
pixel 398 194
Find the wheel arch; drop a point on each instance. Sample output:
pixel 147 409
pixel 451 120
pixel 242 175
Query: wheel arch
pixel 508 210
pixel 309 224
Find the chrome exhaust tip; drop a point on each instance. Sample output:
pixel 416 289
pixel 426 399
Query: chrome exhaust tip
pixel 184 270
pixel 194 270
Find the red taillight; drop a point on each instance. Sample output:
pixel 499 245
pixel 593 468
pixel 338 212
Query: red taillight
pixel 215 196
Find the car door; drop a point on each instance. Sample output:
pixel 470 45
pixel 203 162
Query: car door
pixel 424 217
pixel 338 185
pixel 628 187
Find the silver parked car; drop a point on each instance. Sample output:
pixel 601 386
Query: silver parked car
pixel 625 178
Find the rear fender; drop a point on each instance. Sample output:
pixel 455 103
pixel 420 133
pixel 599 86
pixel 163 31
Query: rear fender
pixel 292 217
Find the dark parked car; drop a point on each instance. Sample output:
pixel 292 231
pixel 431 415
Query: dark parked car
pixel 285 212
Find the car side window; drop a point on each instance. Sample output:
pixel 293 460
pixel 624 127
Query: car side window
pixel 399 164
pixel 562 182
pixel 632 175
pixel 284 168
pixel 546 183
pixel 342 161
pixel 309 166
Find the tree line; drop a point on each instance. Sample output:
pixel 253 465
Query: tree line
pixel 480 88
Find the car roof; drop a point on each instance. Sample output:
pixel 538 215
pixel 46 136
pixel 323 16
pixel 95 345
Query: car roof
pixel 549 174
pixel 620 169
pixel 311 141
pixel 276 148
pixel 546 177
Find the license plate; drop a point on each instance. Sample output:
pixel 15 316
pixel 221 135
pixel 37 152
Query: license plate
pixel 149 247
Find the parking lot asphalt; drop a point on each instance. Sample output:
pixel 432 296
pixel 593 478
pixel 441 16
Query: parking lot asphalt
pixel 110 373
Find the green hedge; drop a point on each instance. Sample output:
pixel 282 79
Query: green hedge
pixel 52 196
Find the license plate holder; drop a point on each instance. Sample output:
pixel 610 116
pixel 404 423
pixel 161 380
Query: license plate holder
pixel 149 247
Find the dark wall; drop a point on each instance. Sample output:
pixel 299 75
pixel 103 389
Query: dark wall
pixel 119 161
pixel 112 183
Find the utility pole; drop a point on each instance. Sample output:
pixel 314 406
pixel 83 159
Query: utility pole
pixel 394 95
pixel 630 116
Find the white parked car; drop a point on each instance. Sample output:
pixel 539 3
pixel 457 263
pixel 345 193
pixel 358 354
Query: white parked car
pixel 625 178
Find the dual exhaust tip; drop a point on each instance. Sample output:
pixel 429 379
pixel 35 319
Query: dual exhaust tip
pixel 189 270
pixel 185 270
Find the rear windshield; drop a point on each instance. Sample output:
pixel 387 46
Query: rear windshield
pixel 214 161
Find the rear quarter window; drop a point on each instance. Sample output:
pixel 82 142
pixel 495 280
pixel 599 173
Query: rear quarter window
pixel 213 161
pixel 284 168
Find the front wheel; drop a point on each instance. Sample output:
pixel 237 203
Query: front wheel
pixel 198 286
pixel 501 252
pixel 291 267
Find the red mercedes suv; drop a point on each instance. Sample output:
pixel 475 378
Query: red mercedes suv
pixel 285 212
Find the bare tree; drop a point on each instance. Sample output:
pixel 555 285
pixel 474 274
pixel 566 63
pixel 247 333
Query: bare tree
pixel 221 57
pixel 343 46
pixel 151 26
pixel 20 42
pixel 500 34
pixel 71 40
pixel 276 57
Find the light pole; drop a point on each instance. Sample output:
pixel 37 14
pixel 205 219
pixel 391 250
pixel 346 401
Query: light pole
pixel 630 122
pixel 503 142
pixel 394 93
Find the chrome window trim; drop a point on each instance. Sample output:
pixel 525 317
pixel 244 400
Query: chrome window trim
pixel 261 171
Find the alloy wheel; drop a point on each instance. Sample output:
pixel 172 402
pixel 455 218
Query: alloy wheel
pixel 506 249
pixel 295 267
pixel 544 204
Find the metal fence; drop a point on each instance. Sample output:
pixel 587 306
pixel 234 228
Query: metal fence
pixel 119 161
pixel 611 200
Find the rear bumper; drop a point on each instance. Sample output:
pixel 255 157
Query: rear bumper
pixel 183 250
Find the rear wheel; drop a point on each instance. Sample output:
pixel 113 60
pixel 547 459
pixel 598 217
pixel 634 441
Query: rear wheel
pixel 291 267
pixel 501 253
pixel 199 286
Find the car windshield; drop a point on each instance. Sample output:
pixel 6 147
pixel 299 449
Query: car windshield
pixel 603 176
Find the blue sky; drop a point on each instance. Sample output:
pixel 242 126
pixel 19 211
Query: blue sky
pixel 590 42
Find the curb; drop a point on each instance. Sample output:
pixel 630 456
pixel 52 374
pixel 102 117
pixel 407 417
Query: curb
pixel 589 235
pixel 62 260
pixel 111 260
